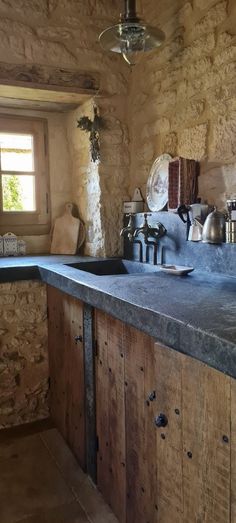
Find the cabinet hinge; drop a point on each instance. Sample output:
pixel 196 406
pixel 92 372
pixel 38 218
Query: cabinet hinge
pixel 97 443
pixel 47 312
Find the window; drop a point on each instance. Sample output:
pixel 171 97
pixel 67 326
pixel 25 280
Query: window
pixel 24 185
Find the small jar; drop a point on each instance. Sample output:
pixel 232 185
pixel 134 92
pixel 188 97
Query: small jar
pixel 21 247
pixel 231 206
pixel 230 232
pixel 1 246
pixel 10 244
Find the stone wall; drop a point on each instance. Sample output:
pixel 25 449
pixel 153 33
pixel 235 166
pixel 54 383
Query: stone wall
pixel 183 96
pixel 23 353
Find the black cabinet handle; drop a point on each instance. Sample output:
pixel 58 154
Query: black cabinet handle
pixel 161 420
pixel 78 339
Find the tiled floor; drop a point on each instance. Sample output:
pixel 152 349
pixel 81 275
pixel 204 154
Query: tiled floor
pixel 40 482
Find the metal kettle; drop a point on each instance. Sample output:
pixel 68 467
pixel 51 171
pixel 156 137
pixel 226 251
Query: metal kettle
pixel 214 228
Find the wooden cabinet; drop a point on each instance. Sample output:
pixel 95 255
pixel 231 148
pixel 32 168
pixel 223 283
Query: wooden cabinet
pixel 66 365
pixel 166 427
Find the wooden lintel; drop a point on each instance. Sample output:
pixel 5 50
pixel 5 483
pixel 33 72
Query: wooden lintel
pixel 48 78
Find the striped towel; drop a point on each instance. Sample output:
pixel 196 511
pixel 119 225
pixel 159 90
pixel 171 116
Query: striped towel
pixel 183 182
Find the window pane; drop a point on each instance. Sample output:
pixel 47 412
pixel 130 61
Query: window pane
pixel 18 192
pixel 16 152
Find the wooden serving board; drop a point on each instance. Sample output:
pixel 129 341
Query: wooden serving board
pixel 68 233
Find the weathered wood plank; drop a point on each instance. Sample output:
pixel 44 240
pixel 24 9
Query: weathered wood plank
pixel 117 469
pixel 90 392
pixel 168 386
pixel 102 405
pixel 111 412
pixel 56 356
pixel 74 371
pixel 141 433
pixel 206 443
pixel 233 450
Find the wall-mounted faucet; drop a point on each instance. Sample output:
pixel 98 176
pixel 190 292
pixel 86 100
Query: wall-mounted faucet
pixel 150 232
pixel 130 230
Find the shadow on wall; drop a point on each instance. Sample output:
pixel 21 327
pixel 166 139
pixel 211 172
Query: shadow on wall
pixel 217 182
pixel 86 193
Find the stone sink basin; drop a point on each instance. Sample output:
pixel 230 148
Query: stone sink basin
pixel 113 267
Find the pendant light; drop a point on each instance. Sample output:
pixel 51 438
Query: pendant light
pixel 131 35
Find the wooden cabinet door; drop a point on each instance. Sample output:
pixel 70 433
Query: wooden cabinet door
pixel 194 468
pixel 206 430
pixel 111 473
pixel 177 443
pixel 66 364
pixel 153 453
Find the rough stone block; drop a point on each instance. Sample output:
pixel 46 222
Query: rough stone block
pixel 192 142
pixel 223 145
pixel 201 47
pixel 161 125
pixel 217 181
pixel 211 19
pixel 226 56
pixel 186 114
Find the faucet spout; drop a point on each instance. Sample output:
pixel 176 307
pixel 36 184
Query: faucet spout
pixel 129 229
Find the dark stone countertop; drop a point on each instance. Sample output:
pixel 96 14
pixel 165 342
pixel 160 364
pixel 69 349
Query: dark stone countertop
pixel 195 314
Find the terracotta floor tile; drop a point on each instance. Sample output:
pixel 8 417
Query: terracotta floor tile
pixel 41 482
pixel 29 480
pixel 71 513
pixel 86 493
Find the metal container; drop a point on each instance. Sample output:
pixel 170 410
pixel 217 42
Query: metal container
pixel 10 244
pixel 230 232
pixel 231 206
pixel 21 247
pixel 1 246
pixel 214 228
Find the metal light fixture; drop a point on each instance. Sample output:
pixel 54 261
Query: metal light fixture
pixel 131 35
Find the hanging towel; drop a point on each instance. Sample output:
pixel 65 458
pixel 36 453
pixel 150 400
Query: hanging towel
pixel 182 182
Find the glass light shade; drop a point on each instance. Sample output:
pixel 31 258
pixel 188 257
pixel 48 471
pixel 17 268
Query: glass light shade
pixel 131 37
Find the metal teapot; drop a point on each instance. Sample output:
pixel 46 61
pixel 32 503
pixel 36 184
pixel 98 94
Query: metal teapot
pixel 214 228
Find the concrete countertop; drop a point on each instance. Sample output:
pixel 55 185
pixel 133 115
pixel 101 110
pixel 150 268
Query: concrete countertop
pixel 195 314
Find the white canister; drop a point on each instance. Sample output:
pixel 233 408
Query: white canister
pixel 10 244
pixel 133 207
pixel 1 246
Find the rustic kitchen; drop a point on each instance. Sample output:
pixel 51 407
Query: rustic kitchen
pixel 117 261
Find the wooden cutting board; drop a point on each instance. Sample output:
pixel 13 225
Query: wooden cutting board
pixel 68 233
